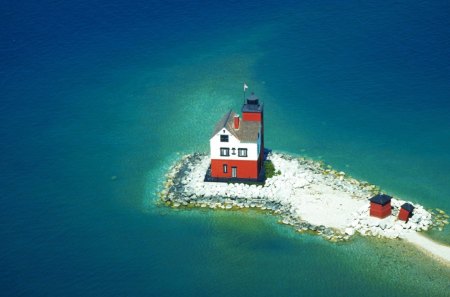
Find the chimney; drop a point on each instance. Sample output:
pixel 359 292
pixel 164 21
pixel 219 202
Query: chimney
pixel 236 122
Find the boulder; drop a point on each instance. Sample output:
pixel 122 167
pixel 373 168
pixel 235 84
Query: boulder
pixel 349 231
pixel 375 231
pixel 374 223
pixel 413 226
pixel 397 228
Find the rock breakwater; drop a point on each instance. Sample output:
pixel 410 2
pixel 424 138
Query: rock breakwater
pixel 306 195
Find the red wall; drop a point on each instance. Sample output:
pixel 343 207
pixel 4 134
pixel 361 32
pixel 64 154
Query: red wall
pixel 245 169
pixel 251 116
pixel 380 211
pixel 403 215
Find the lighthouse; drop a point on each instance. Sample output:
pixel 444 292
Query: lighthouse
pixel 237 145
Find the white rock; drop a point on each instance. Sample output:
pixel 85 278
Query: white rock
pixel 397 227
pixel 374 223
pixel 389 224
pixel 413 226
pixel 374 231
pixel 349 231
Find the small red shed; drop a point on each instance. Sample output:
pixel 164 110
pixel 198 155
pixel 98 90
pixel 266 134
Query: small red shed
pixel 380 206
pixel 405 212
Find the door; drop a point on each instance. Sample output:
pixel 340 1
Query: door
pixel 233 171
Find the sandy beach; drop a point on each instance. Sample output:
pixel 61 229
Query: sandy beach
pixel 437 250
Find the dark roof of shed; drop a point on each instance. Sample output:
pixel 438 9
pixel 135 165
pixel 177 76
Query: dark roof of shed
pixel 247 132
pixel 408 207
pixel 381 199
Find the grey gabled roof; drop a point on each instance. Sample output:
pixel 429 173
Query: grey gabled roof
pixel 247 132
pixel 223 122
pixel 381 199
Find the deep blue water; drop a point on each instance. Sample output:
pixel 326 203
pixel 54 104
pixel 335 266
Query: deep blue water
pixel 96 89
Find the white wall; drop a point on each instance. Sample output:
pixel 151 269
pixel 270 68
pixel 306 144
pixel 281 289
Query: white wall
pixel 233 142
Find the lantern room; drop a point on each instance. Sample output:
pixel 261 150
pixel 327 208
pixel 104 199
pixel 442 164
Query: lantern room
pixel 252 110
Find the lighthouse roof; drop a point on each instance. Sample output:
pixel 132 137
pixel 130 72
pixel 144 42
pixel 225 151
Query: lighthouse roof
pixel 247 132
pixel 381 199
pixel 252 104
pixel 252 107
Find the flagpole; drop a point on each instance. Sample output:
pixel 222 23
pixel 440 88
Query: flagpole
pixel 245 88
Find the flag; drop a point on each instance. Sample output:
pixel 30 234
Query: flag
pixel 245 87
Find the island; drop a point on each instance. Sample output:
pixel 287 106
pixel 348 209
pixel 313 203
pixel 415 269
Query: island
pixel 308 195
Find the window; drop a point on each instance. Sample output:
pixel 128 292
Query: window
pixel 223 138
pixel 225 168
pixel 224 151
pixel 242 152
pixel 233 151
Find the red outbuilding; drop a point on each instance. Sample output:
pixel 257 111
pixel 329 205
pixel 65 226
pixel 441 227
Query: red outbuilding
pixel 380 206
pixel 405 212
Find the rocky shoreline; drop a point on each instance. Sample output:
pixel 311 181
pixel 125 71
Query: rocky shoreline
pixel 305 194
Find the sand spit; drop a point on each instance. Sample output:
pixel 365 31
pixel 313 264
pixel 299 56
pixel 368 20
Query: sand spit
pixel 437 250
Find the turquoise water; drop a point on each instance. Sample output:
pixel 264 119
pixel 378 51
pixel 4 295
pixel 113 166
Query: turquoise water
pixel 95 90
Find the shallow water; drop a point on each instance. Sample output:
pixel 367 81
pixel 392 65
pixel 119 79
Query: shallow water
pixel 95 90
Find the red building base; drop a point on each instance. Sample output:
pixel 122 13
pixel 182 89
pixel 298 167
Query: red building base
pixel 235 169
pixel 380 211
